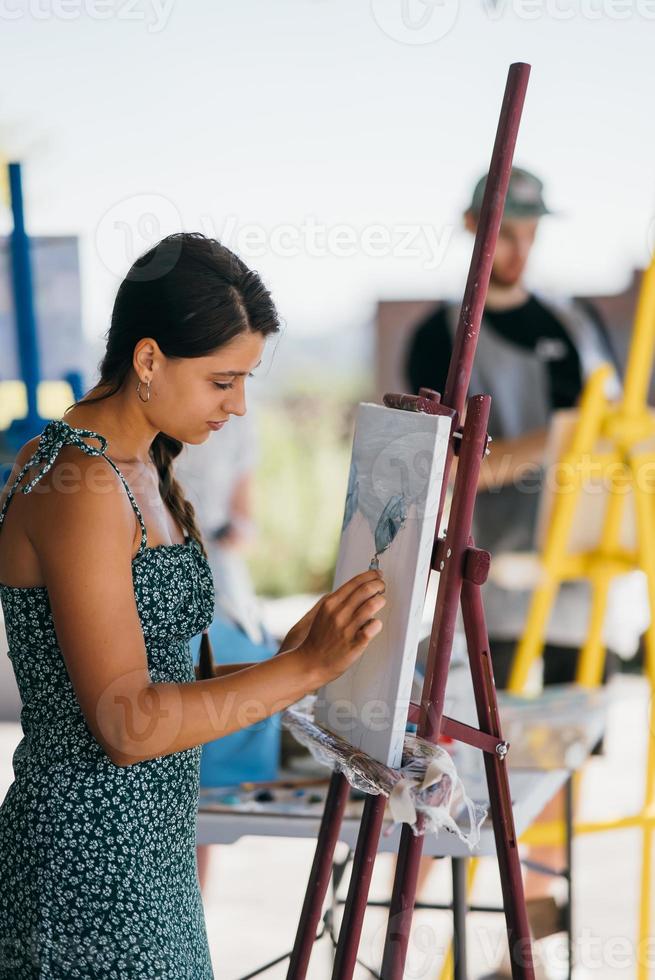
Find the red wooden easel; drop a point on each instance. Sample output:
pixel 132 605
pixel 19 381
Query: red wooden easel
pixel 463 569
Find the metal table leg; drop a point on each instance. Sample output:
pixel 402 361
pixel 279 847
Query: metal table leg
pixel 459 917
pixel 568 911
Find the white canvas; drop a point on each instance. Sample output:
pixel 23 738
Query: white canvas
pixel 396 475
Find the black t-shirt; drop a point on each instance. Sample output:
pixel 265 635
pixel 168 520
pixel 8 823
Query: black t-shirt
pixel 529 325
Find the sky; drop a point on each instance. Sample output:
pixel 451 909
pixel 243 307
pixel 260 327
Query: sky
pixel 332 143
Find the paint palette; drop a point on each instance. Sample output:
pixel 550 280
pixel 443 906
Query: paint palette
pixel 279 799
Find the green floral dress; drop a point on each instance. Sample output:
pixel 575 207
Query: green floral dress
pixel 98 874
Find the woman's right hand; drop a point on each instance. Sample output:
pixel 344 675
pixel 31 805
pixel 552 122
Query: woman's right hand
pixel 344 624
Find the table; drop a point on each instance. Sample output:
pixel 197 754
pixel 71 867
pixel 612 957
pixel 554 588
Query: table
pixel 545 767
pixel 532 788
pixel 531 791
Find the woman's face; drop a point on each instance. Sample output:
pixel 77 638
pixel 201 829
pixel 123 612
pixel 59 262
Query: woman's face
pixel 188 394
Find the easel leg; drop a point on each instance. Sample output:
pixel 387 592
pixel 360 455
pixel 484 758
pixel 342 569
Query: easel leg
pixel 360 881
pixel 402 905
pixel 319 878
pixel 404 890
pixel 331 914
pixel 500 800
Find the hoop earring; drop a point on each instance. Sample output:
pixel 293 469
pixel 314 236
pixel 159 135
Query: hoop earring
pixel 138 391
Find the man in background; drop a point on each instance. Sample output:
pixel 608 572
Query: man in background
pixel 533 357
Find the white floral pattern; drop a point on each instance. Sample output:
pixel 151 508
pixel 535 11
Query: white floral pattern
pixel 98 875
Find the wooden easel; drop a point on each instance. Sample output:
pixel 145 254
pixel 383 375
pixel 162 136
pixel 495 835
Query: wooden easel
pixel 615 441
pixel 463 569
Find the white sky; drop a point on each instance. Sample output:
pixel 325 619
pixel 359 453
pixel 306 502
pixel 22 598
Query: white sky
pixel 272 113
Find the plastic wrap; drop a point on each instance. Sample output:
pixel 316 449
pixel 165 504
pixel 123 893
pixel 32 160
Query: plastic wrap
pixel 426 785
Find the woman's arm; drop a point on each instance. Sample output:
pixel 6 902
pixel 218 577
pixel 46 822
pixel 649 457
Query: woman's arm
pixel 296 635
pixel 222 670
pixel 85 538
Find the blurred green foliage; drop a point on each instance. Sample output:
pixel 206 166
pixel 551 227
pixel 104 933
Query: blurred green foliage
pixel 300 490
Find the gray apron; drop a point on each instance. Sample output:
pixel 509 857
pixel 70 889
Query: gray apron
pixel 505 517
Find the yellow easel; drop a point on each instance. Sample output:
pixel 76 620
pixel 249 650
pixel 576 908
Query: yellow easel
pixel 625 429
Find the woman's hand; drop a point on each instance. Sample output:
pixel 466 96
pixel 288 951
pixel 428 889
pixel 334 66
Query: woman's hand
pixel 342 624
pixel 298 633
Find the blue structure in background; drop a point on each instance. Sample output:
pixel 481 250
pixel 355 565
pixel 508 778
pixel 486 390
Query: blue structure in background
pixel 250 754
pixel 75 380
pixel 20 430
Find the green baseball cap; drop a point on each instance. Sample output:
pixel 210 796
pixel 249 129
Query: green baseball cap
pixel 524 196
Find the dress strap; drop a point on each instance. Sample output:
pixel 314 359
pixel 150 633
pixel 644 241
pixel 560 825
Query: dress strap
pixel 55 435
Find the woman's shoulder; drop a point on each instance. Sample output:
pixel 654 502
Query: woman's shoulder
pixel 90 489
pixel 47 459
pixel 26 451
pixel 31 449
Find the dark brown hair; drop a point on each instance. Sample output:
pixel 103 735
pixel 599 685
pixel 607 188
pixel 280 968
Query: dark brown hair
pixel 192 295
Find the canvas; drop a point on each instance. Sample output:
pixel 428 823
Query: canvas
pixel 394 486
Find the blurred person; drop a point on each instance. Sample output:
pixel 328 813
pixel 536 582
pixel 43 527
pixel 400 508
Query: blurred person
pixel 218 478
pixel 533 357
pixel 104 579
pixel 534 354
